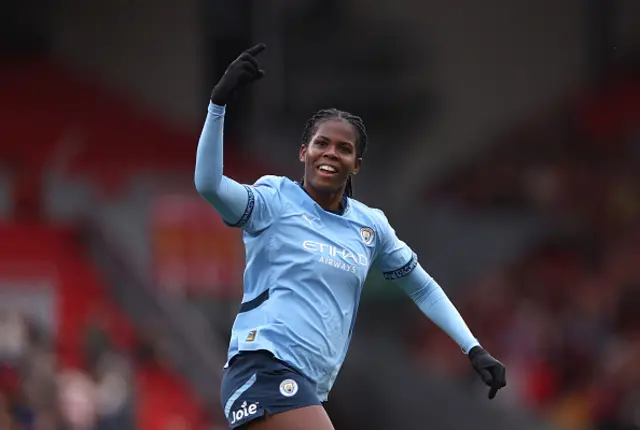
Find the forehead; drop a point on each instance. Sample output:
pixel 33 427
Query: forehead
pixel 337 129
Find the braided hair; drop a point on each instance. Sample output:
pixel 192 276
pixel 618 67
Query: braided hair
pixel 334 114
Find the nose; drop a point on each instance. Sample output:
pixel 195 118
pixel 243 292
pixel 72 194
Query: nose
pixel 330 152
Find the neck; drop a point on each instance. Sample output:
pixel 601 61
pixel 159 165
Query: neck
pixel 327 201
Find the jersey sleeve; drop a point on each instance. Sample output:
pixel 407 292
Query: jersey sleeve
pixel 263 205
pixel 434 303
pixel 394 257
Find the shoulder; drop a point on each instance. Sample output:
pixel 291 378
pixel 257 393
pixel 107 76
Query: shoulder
pixel 275 188
pixel 362 210
pixel 275 184
pixel 278 182
pixel 272 181
pixel 375 218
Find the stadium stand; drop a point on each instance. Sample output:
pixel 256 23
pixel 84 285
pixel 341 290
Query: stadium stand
pixel 104 372
pixel 564 316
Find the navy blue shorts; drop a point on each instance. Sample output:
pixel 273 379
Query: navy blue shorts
pixel 256 382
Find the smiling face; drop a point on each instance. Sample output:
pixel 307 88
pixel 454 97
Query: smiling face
pixel 330 156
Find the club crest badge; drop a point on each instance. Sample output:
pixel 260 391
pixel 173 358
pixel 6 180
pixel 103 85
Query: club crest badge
pixel 367 235
pixel 288 388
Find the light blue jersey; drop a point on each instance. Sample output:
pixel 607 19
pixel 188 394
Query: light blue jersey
pixel 306 266
pixel 313 263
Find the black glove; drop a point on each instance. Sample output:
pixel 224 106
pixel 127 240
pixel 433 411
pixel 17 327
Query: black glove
pixel 492 372
pixel 241 72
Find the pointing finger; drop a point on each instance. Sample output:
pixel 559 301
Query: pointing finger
pixel 256 49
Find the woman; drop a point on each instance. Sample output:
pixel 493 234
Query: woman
pixel 309 247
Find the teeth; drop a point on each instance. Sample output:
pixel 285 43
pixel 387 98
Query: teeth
pixel 327 168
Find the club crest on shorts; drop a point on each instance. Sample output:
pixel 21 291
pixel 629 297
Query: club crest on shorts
pixel 288 388
pixel 367 234
pixel 251 336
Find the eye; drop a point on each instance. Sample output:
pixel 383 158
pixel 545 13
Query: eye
pixel 321 143
pixel 347 149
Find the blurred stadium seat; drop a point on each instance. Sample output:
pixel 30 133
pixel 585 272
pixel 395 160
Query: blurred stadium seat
pixel 565 316
pixel 45 101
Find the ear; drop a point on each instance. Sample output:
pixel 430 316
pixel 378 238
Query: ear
pixel 302 152
pixel 358 166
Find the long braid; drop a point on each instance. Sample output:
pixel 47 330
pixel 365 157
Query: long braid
pixel 348 188
pixel 330 114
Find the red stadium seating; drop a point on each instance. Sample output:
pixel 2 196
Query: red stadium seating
pixel 583 174
pixel 53 251
pixel 43 105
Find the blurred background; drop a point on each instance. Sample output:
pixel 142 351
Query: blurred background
pixel 505 149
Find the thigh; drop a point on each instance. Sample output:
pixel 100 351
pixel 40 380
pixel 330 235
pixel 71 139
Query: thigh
pixel 307 418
